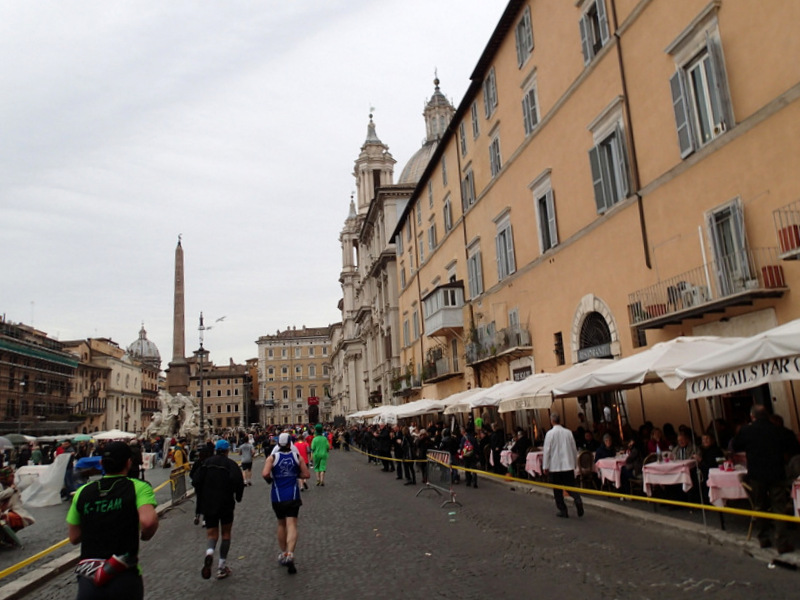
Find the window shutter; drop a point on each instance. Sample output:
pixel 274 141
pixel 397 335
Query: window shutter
pixel 486 105
pixel 551 218
pixel 478 273
pixel 498 242
pixel 587 52
pixel 525 114
pixel 511 262
pixel 597 179
pixel 520 44
pixel 680 106
pixel 603 21
pixel 464 196
pixel 624 176
pixel 720 101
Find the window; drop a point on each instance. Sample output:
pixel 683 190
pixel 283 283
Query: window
pixel 297 352
pixel 298 370
pixel 270 353
pixel 406 333
pixel 324 351
pixel 430 196
pixel 505 247
pixel 432 238
pixel 421 249
pixel 311 352
pixel 448 216
pixel 415 324
pixel 700 99
pixel 475 272
pixel 594 29
pixel 283 353
pixel 476 128
pixel 285 394
pixel 530 116
pixel 298 393
pixel 419 213
pixel 494 156
pixel 468 189
pixel 312 391
pixel 444 176
pixel 729 246
pixel 312 371
pixel 408 233
pixel 558 348
pixel 324 370
pixel 400 244
pixel 402 276
pixel 284 370
pixel 489 93
pixel 462 137
pixel 524 37
pixel 545 211
pixel 609 171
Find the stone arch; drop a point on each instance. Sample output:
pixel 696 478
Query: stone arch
pixel 592 304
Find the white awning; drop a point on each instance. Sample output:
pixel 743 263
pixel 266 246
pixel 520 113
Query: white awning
pixel 537 390
pixel 479 397
pixel 656 364
pixel 769 356
pixel 419 407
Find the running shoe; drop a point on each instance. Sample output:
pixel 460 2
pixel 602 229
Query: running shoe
pixel 223 572
pixel 206 571
pixel 282 558
pixel 290 563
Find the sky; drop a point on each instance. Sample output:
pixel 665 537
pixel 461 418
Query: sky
pixel 233 123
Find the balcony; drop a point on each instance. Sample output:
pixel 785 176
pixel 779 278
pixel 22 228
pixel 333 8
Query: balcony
pixel 509 344
pixel 90 406
pixel 744 276
pixel 440 369
pixel 787 228
pixel 444 309
pixel 406 384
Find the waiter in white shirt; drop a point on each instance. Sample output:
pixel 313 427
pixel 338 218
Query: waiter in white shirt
pixel 560 456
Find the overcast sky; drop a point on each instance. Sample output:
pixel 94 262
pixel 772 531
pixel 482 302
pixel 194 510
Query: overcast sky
pixel 233 123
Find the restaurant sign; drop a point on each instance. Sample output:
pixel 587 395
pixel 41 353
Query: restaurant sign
pixel 742 378
pixel 599 351
pixel 523 373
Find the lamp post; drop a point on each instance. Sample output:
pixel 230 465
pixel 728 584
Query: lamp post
pixel 200 353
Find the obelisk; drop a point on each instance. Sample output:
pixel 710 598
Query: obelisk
pixel 178 370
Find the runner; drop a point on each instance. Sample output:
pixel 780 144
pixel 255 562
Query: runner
pixel 220 483
pixel 283 469
pixel 319 452
pixel 303 449
pixel 246 452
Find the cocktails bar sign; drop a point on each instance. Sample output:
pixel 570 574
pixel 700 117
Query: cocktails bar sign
pixel 741 378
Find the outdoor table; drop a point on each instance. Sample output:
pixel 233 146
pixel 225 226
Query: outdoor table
pixel 610 469
pixel 24 476
pixel 533 463
pixel 726 485
pixel 668 473
pixel 796 496
pixel 506 458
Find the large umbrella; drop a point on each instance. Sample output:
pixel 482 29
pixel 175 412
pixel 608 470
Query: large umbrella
pixel 5 443
pixel 18 438
pixel 114 434
pixel 81 437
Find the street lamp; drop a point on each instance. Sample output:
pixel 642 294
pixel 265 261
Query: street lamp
pixel 201 353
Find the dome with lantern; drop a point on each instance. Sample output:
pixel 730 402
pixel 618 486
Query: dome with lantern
pixel 438 113
pixel 144 350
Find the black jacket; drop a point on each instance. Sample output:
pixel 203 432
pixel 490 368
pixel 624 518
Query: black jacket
pixel 219 483
pixel 765 446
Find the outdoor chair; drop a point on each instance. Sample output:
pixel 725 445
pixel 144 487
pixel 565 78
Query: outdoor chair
pixel 586 469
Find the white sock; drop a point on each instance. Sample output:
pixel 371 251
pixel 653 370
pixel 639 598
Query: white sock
pixel 221 563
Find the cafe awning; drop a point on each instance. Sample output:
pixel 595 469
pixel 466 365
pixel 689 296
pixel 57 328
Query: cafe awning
pixel 653 365
pixel 769 356
pixel 537 390
pixel 479 397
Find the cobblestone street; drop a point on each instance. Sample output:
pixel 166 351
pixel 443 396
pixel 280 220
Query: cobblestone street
pixel 366 535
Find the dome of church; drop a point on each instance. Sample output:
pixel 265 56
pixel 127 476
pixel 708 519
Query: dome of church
pixel 438 113
pixel 144 350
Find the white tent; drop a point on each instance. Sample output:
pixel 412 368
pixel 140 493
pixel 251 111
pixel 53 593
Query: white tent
pixel 770 356
pixel 113 434
pixel 419 407
pixel 477 398
pixel 537 390
pixel 656 364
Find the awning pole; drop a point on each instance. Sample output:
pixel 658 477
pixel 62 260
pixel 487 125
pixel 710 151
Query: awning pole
pixel 641 400
pixel 619 415
pixel 698 472
pixel 714 422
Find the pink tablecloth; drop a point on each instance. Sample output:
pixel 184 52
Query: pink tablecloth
pixel 668 473
pixel 796 496
pixel 506 457
pixel 725 485
pixel 609 469
pixel 533 463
